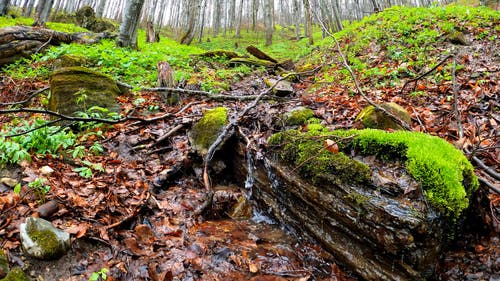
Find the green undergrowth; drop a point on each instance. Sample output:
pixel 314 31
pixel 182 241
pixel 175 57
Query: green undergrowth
pixel 18 20
pixel 402 42
pixel 446 176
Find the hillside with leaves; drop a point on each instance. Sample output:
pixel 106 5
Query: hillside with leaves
pixel 106 179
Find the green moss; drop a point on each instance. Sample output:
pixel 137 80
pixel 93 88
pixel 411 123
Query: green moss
pixel 206 130
pixel 306 153
pixel 16 274
pixel 47 240
pixel 447 177
pixel 298 116
pixel 4 263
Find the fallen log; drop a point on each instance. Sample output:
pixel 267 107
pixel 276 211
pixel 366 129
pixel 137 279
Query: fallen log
pixel 23 41
pixel 253 61
pixel 378 224
pixel 254 51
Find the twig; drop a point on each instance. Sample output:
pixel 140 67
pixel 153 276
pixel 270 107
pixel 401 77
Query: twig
pixel 455 100
pixel 44 44
pixel 488 184
pixel 426 73
pixel 356 82
pixel 167 135
pixel 27 99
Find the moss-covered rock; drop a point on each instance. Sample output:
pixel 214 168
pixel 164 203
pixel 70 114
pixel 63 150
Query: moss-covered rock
pixel 206 130
pixel 16 274
pixel 298 116
pixel 446 176
pixel 77 88
pixel 373 118
pixel 41 240
pixel 69 60
pixel 86 18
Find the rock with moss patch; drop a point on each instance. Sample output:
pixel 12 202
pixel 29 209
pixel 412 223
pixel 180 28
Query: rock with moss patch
pixel 374 118
pixel 281 88
pixel 86 18
pixel 16 274
pixel 206 130
pixel 69 60
pixel 41 240
pixel 298 116
pixel 77 89
pixel 458 38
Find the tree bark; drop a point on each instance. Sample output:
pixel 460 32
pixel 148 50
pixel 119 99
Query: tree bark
pixel 100 9
pixel 238 20
pixel 28 8
pixel 128 28
pixel 296 13
pixel 4 7
pixel 43 12
pixel 217 15
pixel 268 21
pixel 193 12
pixel 309 34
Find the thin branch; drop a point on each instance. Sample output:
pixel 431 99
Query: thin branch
pixel 455 100
pixel 27 99
pixel 426 73
pixel 356 82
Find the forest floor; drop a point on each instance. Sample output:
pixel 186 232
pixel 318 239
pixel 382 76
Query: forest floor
pixel 128 220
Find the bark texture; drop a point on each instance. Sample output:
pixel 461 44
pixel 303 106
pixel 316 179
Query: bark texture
pixel 128 28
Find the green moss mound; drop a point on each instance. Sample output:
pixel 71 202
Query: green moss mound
pixel 298 116
pixel 206 130
pixel 16 274
pixel 447 177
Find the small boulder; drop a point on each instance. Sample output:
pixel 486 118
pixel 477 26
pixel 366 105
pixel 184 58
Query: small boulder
pixel 298 116
pixel 281 88
pixel 68 61
pixel 207 129
pixel 373 118
pixel 76 89
pixel 41 240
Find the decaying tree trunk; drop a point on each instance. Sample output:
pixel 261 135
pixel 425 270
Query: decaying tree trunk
pixel 166 80
pixel 151 34
pixel 22 41
pixel 260 54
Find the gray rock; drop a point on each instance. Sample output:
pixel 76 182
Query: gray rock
pixel 41 240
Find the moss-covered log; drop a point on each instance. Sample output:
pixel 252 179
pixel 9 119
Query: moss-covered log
pixel 369 211
pixel 23 41
pixel 253 61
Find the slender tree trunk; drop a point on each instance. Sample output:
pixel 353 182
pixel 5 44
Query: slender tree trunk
pixel 255 11
pixel 376 7
pixel 43 12
pixel 309 34
pixel 238 20
pixel 28 8
pixel 4 7
pixel 193 12
pixel 296 14
pixel 128 28
pixel 202 25
pixel 268 21
pixel 217 15
pixel 100 8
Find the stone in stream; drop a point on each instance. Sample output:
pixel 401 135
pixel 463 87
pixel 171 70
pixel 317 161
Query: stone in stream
pixel 41 240
pixel 382 206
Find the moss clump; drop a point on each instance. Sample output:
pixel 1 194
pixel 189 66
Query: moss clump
pixel 306 152
pixel 4 263
pixel 298 116
pixel 447 177
pixel 206 130
pixel 16 274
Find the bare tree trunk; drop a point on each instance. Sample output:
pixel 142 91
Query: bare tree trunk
pixel 255 11
pixel 43 12
pixel 238 20
pixel 268 21
pixel 376 7
pixel 128 28
pixel 202 25
pixel 4 7
pixel 296 14
pixel 100 8
pixel 309 34
pixel 193 12
pixel 28 8
pixel 217 15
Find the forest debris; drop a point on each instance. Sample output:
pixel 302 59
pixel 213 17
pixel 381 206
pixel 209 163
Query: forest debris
pixel 219 53
pixel 260 54
pixel 23 41
pixel 253 61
